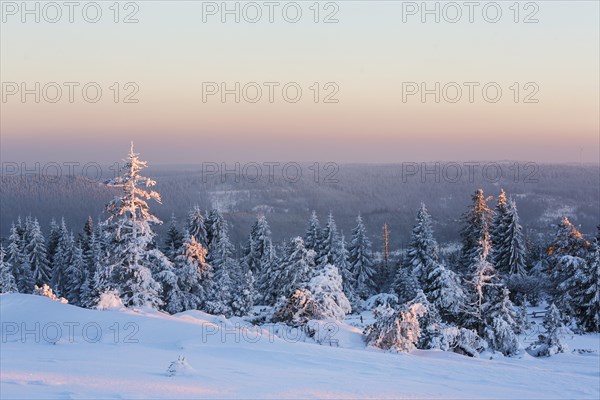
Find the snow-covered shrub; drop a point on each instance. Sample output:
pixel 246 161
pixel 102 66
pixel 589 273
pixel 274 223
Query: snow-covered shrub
pixel 109 300
pixel 381 299
pixel 462 341
pixel 295 310
pixel 46 291
pixel 395 330
pixel 179 367
pixel 550 343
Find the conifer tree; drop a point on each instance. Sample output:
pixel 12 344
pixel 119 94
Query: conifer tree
pixel 19 261
pixel 422 252
pixel 62 260
pixel 74 276
pixel 37 253
pixel 196 226
pixel 502 323
pixel 330 245
pixel 129 227
pixel 174 239
pixel 476 232
pixel 312 238
pixel 507 239
pixel 7 279
pixel 259 244
pixel 444 290
pixel 194 274
pixel 361 263
pixel 589 293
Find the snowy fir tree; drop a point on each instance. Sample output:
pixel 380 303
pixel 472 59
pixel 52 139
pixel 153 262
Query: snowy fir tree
pixel 507 239
pixel 430 324
pixel 361 262
pixel 348 278
pixel 93 263
pixel 37 253
pixel 75 274
pixel 405 285
pixel 294 270
pixel 220 248
pixel 194 274
pixel 330 244
pixel 52 242
pixel 196 226
pixel 258 246
pixel 422 252
pixel 19 260
pixel 589 292
pixel 130 228
pixel 220 293
pixel 174 239
pixel 568 241
pixel 483 280
pixel 267 282
pixel 551 342
pixel 7 279
pixel 502 325
pixel 475 233
pixel 243 291
pixel 312 238
pixel 444 290
pixel 569 274
pixel 330 300
pixel 62 260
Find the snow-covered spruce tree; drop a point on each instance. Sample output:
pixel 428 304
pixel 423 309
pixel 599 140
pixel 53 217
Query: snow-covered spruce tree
pixel 194 274
pixel 19 261
pixel 589 293
pixel 330 300
pixel 267 281
pixel 348 278
pixel 482 284
pixel 220 248
pixel 7 279
pixel 475 232
pixel 93 262
pixel 405 285
pixel 74 275
pixel 174 239
pixel 422 252
pixel 551 343
pixel 196 225
pixel 507 239
pixel 37 253
pixel 312 238
pixel 361 261
pixel 296 269
pixel 243 292
pixel 568 241
pixel 330 244
pixel 129 227
pixel 61 260
pixel 52 242
pixel 395 330
pixel 502 325
pixel 258 246
pixel 430 324
pixel 569 274
pixel 220 293
pixel 444 290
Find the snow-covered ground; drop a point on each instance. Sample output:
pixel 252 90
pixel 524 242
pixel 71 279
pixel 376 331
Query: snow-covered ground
pixel 126 353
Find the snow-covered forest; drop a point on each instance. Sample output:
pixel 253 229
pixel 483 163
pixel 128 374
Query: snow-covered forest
pixel 470 301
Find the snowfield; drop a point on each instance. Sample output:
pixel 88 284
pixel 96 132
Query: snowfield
pixel 54 350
